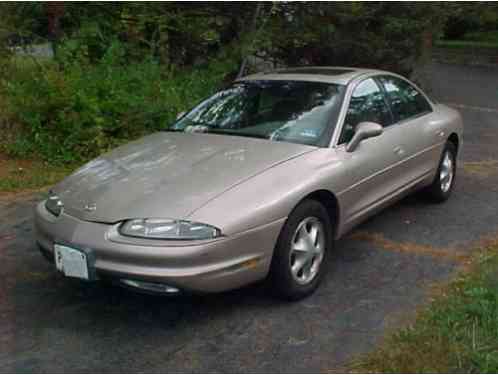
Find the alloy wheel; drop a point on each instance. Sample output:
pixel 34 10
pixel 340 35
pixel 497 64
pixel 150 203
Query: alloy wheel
pixel 307 250
pixel 446 173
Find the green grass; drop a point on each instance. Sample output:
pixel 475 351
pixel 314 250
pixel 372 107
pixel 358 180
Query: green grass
pixel 482 36
pixel 466 44
pixel 457 333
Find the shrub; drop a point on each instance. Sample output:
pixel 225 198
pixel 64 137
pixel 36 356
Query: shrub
pixel 72 110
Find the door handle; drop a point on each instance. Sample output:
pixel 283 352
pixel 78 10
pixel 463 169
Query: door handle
pixel 398 150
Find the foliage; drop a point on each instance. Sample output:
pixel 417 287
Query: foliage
pixel 467 18
pixel 470 45
pixel 125 69
pixel 22 23
pixel 175 32
pixel 458 333
pixel 182 34
pixel 76 112
pixel 353 34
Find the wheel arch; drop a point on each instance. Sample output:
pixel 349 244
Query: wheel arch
pixel 453 138
pixel 330 202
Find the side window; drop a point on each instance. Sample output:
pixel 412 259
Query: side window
pixel 405 100
pixel 367 104
pixel 266 102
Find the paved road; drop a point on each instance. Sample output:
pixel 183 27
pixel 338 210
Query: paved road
pixel 379 275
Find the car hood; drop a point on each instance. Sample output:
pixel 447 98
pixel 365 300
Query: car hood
pixel 167 175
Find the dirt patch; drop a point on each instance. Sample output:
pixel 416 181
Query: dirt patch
pixel 10 167
pixel 378 239
pixel 483 168
pixel 9 197
pixel 28 176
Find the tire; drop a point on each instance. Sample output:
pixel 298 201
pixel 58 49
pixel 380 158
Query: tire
pixel 441 188
pixel 300 248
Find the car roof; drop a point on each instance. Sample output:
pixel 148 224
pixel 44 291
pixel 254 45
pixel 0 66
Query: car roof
pixel 330 74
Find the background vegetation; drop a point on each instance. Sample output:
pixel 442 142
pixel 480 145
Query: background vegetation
pixel 472 22
pixel 121 70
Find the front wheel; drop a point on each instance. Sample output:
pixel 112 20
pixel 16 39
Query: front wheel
pixel 443 183
pixel 300 257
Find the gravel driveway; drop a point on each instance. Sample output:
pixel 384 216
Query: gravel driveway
pixel 379 275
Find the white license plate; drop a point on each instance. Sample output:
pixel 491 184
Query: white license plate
pixel 71 262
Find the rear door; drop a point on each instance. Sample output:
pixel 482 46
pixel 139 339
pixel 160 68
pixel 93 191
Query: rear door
pixel 420 136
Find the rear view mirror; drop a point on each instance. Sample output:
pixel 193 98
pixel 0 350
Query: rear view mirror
pixel 363 131
pixel 180 115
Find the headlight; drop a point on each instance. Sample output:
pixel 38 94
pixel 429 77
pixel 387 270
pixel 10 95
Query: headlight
pixel 54 205
pixel 168 229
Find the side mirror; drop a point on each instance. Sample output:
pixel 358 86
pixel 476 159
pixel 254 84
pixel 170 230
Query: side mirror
pixel 180 115
pixel 363 131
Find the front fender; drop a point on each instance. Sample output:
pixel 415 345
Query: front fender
pixel 272 195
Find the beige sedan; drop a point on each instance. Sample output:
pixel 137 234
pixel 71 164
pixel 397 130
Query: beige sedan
pixel 255 182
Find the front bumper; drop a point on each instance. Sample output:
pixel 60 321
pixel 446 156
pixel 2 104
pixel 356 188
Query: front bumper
pixel 202 266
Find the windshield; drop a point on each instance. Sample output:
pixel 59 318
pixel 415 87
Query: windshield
pixel 289 111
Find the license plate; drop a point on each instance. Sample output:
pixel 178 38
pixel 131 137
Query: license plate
pixel 71 262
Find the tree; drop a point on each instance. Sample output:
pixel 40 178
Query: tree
pixel 388 35
pixel 378 35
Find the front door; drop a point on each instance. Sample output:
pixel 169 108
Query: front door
pixel 374 165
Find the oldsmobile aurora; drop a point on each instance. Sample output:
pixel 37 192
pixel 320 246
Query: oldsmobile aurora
pixel 256 181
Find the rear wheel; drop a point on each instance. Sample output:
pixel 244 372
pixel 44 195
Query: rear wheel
pixel 443 183
pixel 300 257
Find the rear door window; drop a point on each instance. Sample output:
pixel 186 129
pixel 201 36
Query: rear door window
pixel 405 100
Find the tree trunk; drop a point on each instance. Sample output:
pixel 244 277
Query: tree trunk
pixel 55 11
pixel 252 29
pixel 422 66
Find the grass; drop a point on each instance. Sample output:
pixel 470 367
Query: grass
pixel 466 44
pixel 18 175
pixel 456 333
pixel 472 40
pixel 21 174
pixel 482 36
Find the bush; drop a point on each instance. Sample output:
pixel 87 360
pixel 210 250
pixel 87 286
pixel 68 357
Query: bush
pixel 73 110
